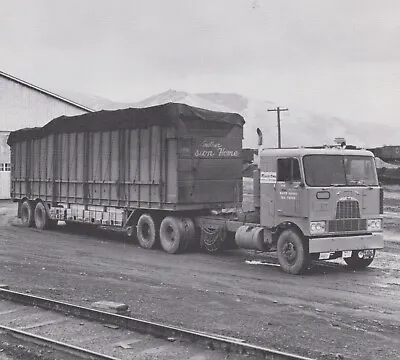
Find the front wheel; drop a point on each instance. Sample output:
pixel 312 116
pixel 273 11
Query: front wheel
pixel 355 263
pixel 292 252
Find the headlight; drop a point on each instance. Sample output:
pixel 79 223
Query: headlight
pixel 317 227
pixel 374 224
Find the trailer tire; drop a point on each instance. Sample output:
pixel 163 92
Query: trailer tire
pixel 27 214
pixel 355 263
pixel 292 252
pixel 42 220
pixel 146 231
pixel 172 235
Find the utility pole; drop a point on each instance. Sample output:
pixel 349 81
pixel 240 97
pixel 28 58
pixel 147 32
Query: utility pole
pixel 278 113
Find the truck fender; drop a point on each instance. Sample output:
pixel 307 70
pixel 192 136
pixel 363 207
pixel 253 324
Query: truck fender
pixel 286 225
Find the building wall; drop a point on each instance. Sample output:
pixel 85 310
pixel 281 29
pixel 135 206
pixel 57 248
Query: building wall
pixel 22 106
pixel 4 166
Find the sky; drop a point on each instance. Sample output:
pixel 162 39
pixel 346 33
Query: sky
pixel 336 57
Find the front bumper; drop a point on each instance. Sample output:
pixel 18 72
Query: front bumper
pixel 342 243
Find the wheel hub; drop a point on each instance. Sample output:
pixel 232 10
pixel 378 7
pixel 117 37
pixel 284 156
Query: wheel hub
pixel 289 252
pixel 170 234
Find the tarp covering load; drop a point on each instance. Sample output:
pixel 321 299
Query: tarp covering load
pixel 170 157
pixel 170 114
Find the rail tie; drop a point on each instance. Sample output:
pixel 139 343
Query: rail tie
pixel 56 345
pixel 211 341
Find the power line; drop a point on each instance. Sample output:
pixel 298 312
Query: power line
pixel 278 113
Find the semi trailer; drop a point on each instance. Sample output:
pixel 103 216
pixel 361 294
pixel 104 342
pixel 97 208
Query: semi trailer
pixel 171 177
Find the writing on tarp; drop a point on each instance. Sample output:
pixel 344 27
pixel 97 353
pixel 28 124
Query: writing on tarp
pixel 211 148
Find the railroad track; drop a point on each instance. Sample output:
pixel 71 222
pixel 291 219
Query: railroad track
pixel 99 335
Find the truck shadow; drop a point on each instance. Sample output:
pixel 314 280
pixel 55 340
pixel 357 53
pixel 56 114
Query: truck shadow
pixel 95 232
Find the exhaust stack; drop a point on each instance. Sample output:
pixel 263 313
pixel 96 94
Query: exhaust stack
pixel 256 174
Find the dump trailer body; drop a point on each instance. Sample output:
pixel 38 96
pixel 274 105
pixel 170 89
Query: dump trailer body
pixel 169 157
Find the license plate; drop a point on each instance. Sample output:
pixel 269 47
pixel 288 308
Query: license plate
pixel 346 254
pixel 324 256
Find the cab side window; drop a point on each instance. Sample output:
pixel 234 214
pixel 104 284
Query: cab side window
pixel 288 170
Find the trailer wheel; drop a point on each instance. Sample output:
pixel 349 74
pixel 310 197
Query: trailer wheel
pixel 292 252
pixel 27 214
pixel 355 263
pixel 42 220
pixel 146 231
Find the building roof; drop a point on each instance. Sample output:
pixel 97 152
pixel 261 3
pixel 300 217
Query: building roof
pixel 46 92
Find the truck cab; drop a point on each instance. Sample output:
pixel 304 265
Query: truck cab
pixel 320 203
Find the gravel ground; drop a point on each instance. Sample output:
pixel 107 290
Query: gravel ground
pixel 329 313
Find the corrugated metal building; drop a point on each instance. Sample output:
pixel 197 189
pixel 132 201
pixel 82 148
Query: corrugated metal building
pixel 25 105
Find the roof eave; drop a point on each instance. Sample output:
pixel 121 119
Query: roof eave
pixel 46 92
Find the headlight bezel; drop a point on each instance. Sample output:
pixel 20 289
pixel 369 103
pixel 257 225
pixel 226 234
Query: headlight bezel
pixel 317 227
pixel 374 224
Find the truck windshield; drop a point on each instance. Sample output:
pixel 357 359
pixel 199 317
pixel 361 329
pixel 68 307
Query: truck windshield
pixel 339 170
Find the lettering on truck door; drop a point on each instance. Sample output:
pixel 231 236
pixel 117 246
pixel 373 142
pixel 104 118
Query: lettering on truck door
pixel 288 189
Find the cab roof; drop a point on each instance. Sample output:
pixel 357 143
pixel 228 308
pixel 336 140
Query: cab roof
pixel 295 152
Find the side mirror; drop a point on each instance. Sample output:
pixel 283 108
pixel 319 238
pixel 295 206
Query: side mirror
pixel 260 137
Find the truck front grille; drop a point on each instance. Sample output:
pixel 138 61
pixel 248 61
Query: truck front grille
pixel 347 217
pixel 341 225
pixel 347 209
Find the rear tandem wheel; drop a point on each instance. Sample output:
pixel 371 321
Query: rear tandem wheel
pixel 27 214
pixel 176 234
pixel 42 219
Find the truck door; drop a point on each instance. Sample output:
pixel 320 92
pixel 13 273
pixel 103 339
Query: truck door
pixel 289 189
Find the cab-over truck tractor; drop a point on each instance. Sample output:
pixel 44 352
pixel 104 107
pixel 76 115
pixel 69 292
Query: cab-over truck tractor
pixel 171 174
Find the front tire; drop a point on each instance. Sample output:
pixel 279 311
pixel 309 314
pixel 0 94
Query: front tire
pixel 355 263
pixel 292 252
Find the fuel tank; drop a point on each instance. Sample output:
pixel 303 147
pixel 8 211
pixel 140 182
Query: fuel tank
pixel 249 237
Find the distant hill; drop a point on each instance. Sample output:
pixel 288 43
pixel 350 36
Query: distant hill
pixel 300 127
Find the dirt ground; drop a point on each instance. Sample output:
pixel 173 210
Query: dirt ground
pixel 328 313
